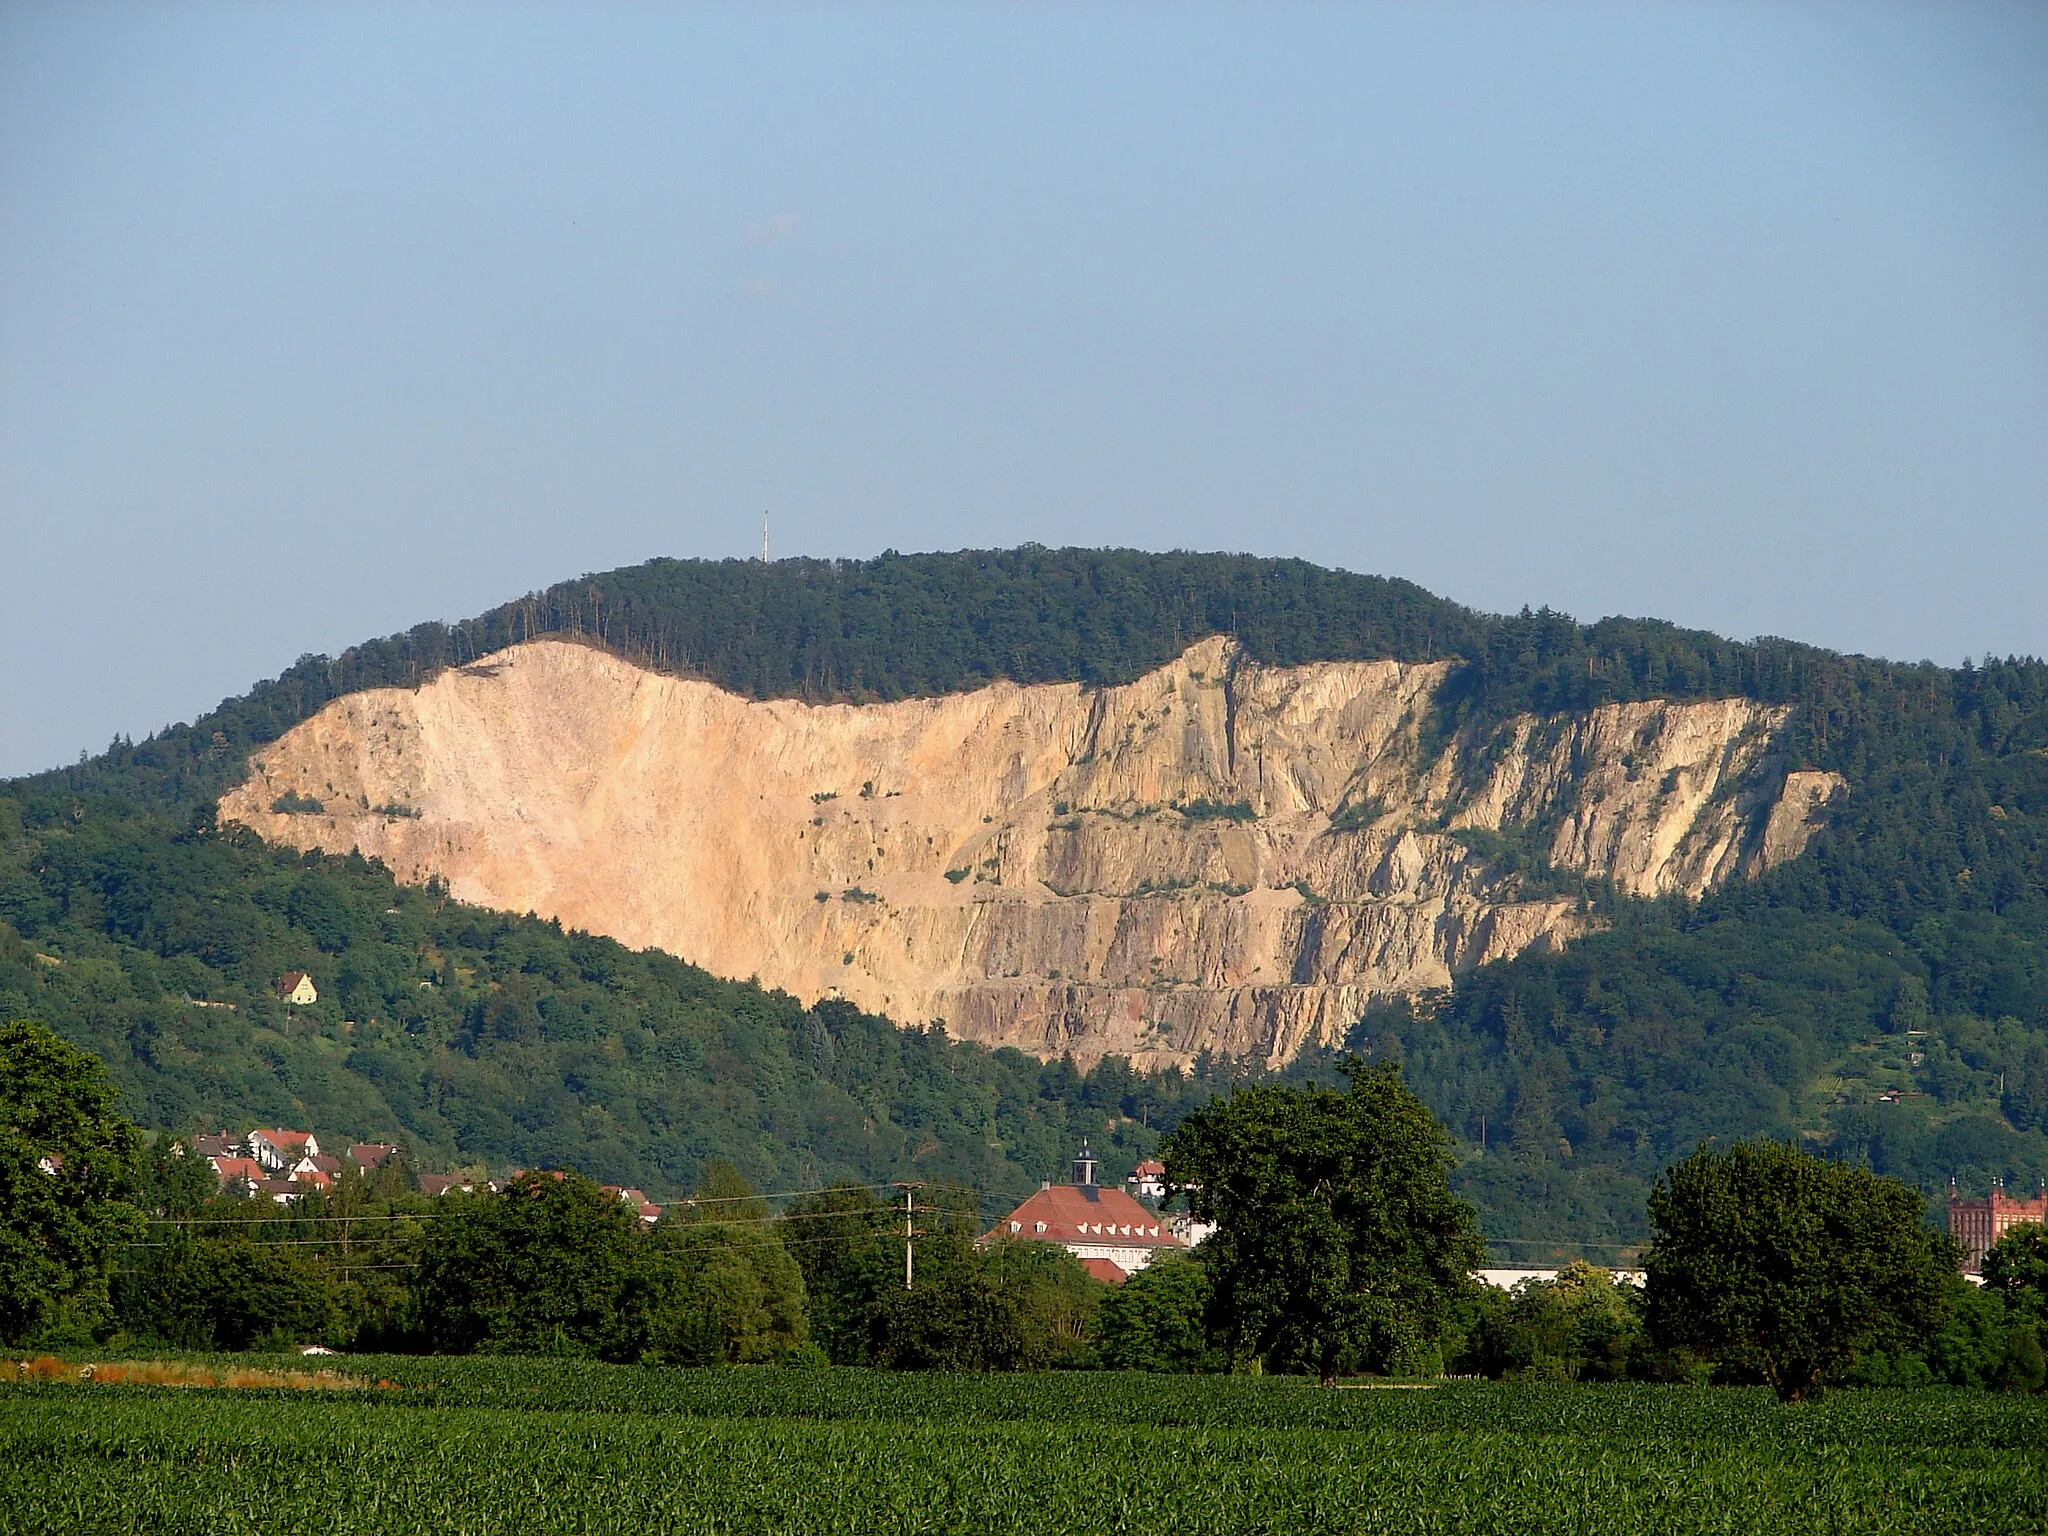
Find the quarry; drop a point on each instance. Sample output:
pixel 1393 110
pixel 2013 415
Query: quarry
pixel 1218 856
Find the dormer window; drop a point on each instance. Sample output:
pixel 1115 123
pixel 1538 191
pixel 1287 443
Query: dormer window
pixel 1016 1227
pixel 1038 1226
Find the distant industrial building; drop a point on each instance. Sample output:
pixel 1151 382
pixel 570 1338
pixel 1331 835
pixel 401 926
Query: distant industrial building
pixel 1978 1224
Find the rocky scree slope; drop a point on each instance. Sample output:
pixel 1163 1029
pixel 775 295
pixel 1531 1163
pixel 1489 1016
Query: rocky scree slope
pixel 1219 856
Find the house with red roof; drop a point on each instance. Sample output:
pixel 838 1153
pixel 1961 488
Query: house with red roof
pixel 297 987
pixel 643 1207
pixel 242 1171
pixel 280 1150
pixel 368 1156
pixel 1148 1180
pixel 1105 1229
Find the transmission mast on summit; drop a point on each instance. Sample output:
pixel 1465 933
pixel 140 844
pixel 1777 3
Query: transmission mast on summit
pixel 764 538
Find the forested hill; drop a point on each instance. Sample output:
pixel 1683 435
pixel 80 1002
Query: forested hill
pixel 906 625
pixel 1907 951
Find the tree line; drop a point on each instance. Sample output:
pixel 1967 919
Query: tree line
pixel 1338 1249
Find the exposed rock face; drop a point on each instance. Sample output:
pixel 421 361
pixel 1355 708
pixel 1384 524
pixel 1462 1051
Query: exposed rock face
pixel 1220 855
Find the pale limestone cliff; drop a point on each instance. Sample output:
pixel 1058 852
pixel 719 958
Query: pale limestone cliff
pixel 1219 855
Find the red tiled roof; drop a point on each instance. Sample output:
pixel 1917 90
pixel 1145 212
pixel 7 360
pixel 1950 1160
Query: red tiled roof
pixel 228 1169
pixel 648 1211
pixel 1105 1270
pixel 1151 1165
pixel 1086 1213
pixel 284 1140
pixel 371 1154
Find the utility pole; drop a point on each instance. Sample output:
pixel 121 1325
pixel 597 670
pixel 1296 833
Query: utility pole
pixel 909 1231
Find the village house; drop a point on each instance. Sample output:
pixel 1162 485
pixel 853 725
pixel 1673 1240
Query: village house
pixel 238 1173
pixel 643 1207
pixel 369 1156
pixel 314 1171
pixel 297 987
pixel 1109 1232
pixel 1978 1224
pixel 1148 1180
pixel 279 1150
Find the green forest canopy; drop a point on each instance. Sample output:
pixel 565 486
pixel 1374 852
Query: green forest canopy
pixel 1907 950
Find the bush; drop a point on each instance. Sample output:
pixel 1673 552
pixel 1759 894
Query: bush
pixel 2024 1367
pixel 1156 1320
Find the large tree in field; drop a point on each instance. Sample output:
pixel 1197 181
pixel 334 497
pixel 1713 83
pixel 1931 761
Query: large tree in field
pixel 65 1153
pixel 553 1266
pixel 1772 1259
pixel 733 1295
pixel 1338 1245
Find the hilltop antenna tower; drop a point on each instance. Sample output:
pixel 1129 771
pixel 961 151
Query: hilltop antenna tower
pixel 764 538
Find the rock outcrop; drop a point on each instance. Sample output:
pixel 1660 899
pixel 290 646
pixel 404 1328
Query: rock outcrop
pixel 1220 855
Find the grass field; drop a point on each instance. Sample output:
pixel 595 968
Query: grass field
pixel 481 1445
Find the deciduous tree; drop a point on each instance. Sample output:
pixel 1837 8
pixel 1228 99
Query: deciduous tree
pixel 1339 1245
pixel 2016 1269
pixel 731 1294
pixel 65 1153
pixel 1777 1261
pixel 1158 1319
pixel 553 1266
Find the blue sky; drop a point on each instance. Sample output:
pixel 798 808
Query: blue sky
pixel 316 321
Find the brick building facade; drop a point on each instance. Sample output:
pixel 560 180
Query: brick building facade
pixel 1978 1224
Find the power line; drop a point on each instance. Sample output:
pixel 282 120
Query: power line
pixel 1565 1242
pixel 689 1203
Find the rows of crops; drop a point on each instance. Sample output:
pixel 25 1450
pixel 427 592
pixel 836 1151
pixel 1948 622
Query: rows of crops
pixel 505 1445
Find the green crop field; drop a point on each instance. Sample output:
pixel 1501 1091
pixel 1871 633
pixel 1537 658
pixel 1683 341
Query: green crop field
pixel 481 1445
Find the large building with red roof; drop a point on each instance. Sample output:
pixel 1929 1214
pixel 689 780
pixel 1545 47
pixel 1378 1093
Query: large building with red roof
pixel 1109 1232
